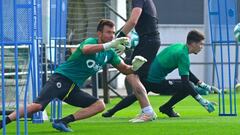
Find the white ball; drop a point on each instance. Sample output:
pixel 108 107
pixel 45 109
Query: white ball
pixel 237 32
pixel 237 86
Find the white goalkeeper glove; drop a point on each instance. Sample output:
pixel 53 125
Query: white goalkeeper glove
pixel 137 62
pixel 120 49
pixel 209 88
pixel 208 105
pixel 118 43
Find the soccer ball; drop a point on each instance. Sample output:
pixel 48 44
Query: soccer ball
pixel 134 39
pixel 237 32
pixel 238 87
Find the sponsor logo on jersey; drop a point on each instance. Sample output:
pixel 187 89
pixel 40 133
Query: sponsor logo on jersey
pixel 95 66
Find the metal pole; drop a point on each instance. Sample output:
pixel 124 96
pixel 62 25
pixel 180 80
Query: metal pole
pixel 105 85
pixel 2 62
pixel 95 85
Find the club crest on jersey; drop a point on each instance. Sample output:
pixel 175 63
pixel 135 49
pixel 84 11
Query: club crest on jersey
pixel 59 85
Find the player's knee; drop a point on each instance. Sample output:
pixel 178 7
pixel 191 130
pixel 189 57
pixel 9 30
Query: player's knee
pixel 100 105
pixel 34 107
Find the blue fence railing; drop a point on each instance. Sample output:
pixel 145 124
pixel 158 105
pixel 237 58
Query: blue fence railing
pixel 223 18
pixel 57 45
pixel 20 27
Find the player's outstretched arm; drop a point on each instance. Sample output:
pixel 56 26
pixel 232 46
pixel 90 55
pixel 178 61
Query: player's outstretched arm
pixel 117 44
pixel 137 62
pixel 91 49
pixel 132 21
pixel 209 88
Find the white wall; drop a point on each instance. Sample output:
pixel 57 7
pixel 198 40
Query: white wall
pixel 172 33
pixel 120 5
pixel 121 8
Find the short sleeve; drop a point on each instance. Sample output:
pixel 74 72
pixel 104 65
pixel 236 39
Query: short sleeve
pixel 88 41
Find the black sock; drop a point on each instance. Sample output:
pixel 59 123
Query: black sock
pixel 175 99
pixel 7 122
pixel 127 101
pixel 67 119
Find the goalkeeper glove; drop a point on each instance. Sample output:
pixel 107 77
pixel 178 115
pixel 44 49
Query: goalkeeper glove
pixel 120 49
pixel 209 88
pixel 137 62
pixel 117 43
pixel 208 105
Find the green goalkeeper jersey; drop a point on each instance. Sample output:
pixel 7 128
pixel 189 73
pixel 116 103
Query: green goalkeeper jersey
pixel 176 56
pixel 80 67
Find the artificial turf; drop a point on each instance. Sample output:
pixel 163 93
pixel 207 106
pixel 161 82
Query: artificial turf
pixel 194 120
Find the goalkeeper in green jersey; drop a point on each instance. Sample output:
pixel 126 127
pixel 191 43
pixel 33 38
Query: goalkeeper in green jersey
pixel 91 55
pixel 176 56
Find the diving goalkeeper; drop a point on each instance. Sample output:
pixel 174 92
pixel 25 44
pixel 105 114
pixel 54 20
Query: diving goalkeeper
pixel 91 55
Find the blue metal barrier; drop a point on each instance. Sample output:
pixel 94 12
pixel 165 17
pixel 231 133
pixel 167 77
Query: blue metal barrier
pixel 20 25
pixel 2 63
pixel 223 17
pixel 57 48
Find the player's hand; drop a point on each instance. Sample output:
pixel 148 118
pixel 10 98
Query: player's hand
pixel 118 43
pixel 137 62
pixel 120 50
pixel 208 105
pixel 209 88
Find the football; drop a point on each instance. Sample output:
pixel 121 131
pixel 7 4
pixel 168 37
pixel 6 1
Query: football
pixel 238 87
pixel 237 32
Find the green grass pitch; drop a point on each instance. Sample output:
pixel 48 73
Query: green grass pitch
pixel 194 120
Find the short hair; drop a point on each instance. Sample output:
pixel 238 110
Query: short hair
pixel 104 22
pixel 195 36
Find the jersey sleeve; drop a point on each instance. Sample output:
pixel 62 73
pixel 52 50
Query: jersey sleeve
pixel 183 64
pixel 88 41
pixel 137 3
pixel 116 60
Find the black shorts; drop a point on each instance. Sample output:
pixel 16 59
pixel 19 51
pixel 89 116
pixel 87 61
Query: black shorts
pixel 148 47
pixel 59 86
pixel 165 87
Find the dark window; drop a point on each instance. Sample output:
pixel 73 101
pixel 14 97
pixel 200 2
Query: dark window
pixel 180 11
